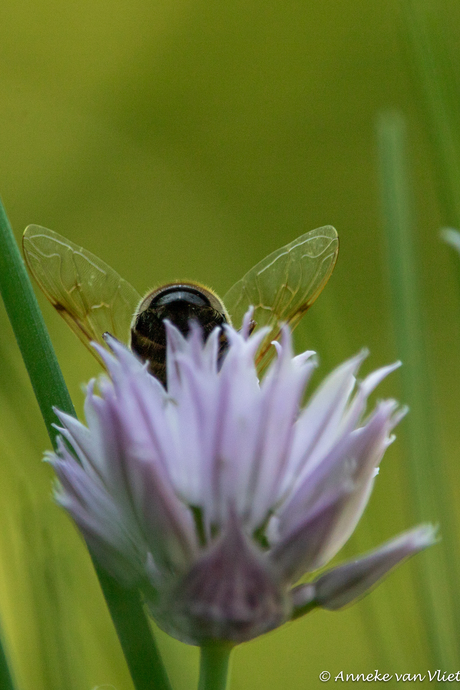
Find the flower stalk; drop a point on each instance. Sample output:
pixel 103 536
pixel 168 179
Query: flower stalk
pixel 214 666
pixel 125 606
pixel 30 330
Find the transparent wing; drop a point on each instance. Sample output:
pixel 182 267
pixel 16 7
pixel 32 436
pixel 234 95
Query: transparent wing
pixel 284 285
pixel 90 296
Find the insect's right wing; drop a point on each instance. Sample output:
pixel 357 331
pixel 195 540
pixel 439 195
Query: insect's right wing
pixel 90 296
pixel 284 285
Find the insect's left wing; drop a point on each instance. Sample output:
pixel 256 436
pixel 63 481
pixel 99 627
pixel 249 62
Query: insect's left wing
pixel 284 285
pixel 90 296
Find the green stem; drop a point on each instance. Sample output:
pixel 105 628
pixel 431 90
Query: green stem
pixel 214 665
pixel 142 656
pixel 6 681
pixel 30 330
pixel 125 606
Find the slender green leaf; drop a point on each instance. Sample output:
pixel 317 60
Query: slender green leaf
pixel 426 38
pixel 437 583
pixel 6 680
pixel 125 607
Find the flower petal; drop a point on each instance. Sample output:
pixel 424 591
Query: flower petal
pixel 348 582
pixel 301 550
pixel 319 424
pixel 229 594
pixel 350 464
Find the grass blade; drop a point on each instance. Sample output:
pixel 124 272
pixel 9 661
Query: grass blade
pixel 436 579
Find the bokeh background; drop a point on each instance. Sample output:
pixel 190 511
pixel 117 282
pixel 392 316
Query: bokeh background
pixel 188 139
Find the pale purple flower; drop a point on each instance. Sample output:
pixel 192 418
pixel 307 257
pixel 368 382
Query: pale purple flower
pixel 216 496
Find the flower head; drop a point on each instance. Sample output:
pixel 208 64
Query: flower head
pixel 217 495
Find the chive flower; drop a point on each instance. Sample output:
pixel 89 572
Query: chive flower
pixel 217 495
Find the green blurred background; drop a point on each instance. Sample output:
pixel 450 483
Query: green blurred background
pixel 188 139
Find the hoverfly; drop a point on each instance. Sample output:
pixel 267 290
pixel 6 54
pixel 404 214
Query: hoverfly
pixel 93 299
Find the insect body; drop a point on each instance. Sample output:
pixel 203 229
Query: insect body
pixel 94 299
pixel 181 303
